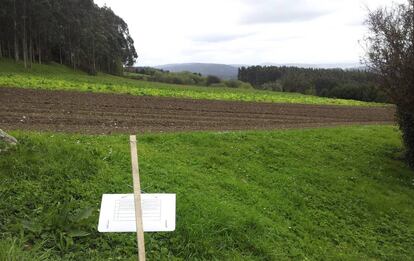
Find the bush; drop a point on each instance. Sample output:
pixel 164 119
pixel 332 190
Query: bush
pixel 218 85
pixel 390 54
pixel 355 91
pixel 246 85
pixel 211 79
pixel 273 86
pixel 406 122
pixel 233 83
pixel 155 75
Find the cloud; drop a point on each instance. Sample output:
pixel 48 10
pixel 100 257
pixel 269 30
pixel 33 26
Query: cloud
pixel 219 37
pixel 246 31
pixel 281 11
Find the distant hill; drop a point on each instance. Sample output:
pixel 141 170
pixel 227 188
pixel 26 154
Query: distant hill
pixel 223 71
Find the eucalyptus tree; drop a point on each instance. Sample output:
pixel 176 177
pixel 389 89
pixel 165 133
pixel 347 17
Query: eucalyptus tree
pixel 77 33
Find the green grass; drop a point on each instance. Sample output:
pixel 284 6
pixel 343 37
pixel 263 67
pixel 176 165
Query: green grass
pixel 58 77
pixel 317 194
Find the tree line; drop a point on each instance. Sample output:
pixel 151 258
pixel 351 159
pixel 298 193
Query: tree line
pixel 334 83
pixel 183 78
pixel 77 33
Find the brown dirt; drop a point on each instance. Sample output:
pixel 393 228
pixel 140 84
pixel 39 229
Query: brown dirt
pixel 108 113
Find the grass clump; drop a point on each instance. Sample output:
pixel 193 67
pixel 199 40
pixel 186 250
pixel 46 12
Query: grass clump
pixel 58 77
pixel 337 193
pixel 13 250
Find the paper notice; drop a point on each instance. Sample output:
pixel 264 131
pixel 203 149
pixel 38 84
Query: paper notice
pixel 118 213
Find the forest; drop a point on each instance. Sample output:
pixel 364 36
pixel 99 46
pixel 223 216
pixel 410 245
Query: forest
pixel 77 33
pixel 334 83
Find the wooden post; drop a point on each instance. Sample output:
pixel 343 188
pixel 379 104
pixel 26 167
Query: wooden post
pixel 137 198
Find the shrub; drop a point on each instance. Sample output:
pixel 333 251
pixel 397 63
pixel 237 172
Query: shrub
pixel 246 85
pixel 406 122
pixel 390 54
pixel 221 84
pixel 233 83
pixel 211 79
pixel 273 86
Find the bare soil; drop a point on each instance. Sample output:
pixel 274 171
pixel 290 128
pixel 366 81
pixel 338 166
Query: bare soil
pixel 94 113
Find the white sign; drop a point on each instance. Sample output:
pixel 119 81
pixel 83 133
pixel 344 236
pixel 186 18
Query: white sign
pixel 118 213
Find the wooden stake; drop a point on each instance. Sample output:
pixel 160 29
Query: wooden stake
pixel 137 198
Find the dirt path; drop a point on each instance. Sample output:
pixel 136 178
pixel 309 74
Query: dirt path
pixel 108 113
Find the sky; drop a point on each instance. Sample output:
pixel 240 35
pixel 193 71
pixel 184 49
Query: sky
pixel 246 31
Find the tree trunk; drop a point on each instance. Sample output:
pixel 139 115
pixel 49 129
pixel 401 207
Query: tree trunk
pixel 60 54
pixel 9 52
pixel 16 45
pixel 30 50
pixel 93 57
pixel 39 51
pixel 24 38
pixel 30 37
pixel 24 42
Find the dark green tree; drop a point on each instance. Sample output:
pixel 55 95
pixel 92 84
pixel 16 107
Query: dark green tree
pixel 77 33
pixel 335 83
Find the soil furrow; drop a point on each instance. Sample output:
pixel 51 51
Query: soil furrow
pixel 82 112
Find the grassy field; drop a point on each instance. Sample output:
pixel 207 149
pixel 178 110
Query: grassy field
pixel 58 77
pixel 319 194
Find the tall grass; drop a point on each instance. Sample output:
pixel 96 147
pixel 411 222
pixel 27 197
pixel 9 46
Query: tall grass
pixel 320 194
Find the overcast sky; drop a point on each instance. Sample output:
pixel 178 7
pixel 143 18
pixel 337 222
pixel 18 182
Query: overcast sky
pixel 246 31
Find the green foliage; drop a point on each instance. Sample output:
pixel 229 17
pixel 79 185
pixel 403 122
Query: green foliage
pixel 144 70
pixel 218 85
pixel 233 83
pixel 363 92
pixel 13 250
pixel 137 76
pixel 389 53
pixel 273 86
pixel 60 226
pixel 334 193
pixel 334 83
pixel 237 84
pixel 58 77
pixel 246 85
pixel 406 122
pixel 157 75
pixel 185 78
pixel 3 146
pixel 211 79
pixel 77 33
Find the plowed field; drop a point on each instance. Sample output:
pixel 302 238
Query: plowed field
pixel 108 113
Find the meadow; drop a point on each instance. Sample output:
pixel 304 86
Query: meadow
pixel 59 77
pixel 316 194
